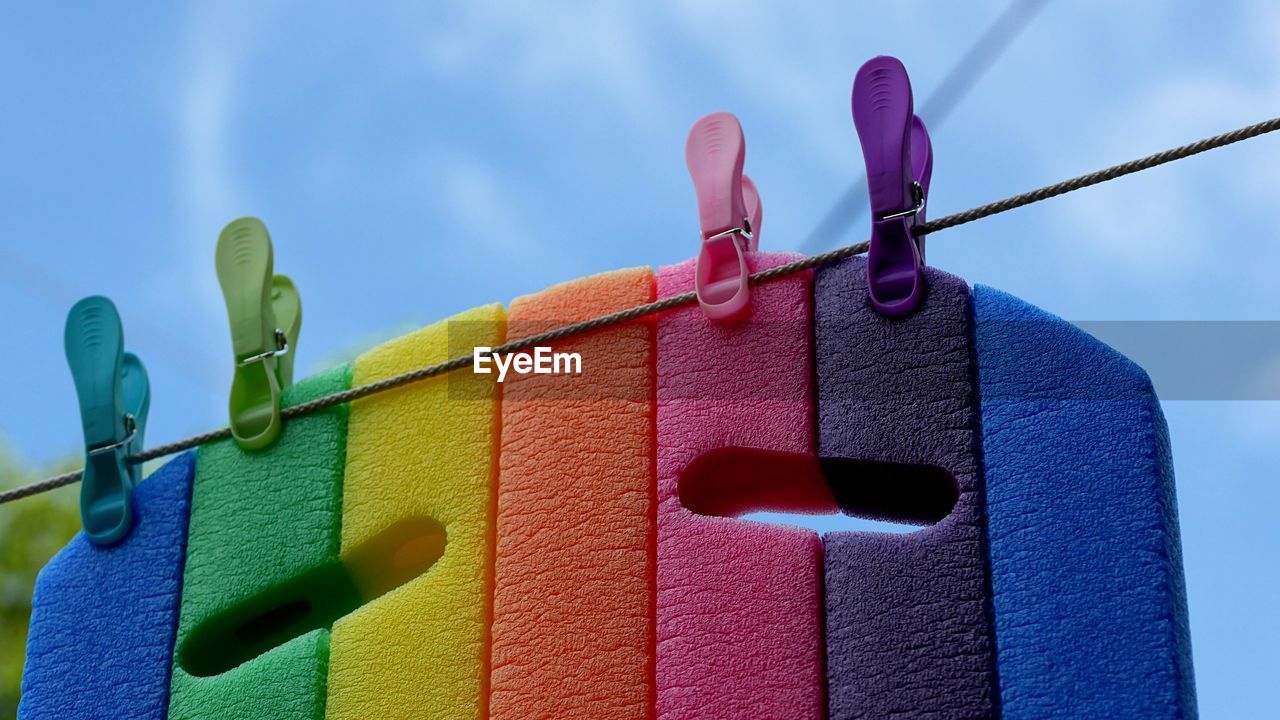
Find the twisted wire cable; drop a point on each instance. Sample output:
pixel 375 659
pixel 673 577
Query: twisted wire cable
pixel 675 301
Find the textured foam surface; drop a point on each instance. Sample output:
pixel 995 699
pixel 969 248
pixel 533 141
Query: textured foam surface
pixel 573 622
pixel 264 527
pixel 103 618
pixel 739 602
pixel 425 451
pixel 1090 611
pixel 908 633
pixel 1086 564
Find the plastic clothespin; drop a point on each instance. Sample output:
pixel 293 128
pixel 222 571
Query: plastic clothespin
pixel 265 312
pixel 899 158
pixel 114 397
pixel 729 211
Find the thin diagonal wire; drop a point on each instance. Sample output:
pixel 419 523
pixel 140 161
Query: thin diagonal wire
pixel 953 88
pixel 675 301
pixel 1101 176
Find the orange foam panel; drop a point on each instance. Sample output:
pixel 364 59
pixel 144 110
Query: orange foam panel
pixel 573 626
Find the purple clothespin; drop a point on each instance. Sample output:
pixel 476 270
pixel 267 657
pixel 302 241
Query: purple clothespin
pixel 729 212
pixel 899 158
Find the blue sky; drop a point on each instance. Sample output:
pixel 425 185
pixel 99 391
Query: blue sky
pixel 413 160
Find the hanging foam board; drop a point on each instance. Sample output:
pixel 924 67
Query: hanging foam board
pixel 908 629
pixel 739 603
pixel 417 531
pixel 1086 563
pixel 263 580
pixel 573 622
pixel 448 552
pixel 103 618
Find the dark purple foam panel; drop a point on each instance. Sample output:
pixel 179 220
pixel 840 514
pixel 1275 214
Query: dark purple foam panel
pixel 908 627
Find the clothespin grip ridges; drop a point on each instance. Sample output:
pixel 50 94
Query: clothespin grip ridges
pixel 265 314
pixel 114 395
pixel 729 212
pixel 899 161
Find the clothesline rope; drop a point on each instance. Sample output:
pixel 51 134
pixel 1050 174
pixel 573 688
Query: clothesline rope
pixel 639 311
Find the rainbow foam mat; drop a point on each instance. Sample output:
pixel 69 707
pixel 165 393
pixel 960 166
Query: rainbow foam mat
pixel 570 546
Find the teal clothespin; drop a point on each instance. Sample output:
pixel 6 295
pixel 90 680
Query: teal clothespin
pixel 114 397
pixel 266 314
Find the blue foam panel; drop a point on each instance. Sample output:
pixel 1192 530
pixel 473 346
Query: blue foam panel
pixel 103 618
pixel 1090 607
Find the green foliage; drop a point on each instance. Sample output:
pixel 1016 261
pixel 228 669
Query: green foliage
pixel 31 531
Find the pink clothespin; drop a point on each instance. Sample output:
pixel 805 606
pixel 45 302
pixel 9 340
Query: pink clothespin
pixel 729 211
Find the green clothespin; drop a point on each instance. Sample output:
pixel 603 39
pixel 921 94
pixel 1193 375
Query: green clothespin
pixel 266 314
pixel 114 397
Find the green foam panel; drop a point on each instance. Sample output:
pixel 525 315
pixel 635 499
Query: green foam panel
pixel 263 578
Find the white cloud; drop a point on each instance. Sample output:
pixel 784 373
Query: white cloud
pixel 789 65
pixel 490 213
pixel 784 69
pixel 1256 423
pixel 219 43
pixel 1161 229
pixel 791 62
pixel 535 50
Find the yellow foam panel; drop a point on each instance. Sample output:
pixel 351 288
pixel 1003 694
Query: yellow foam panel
pixel 573 601
pixel 419 457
